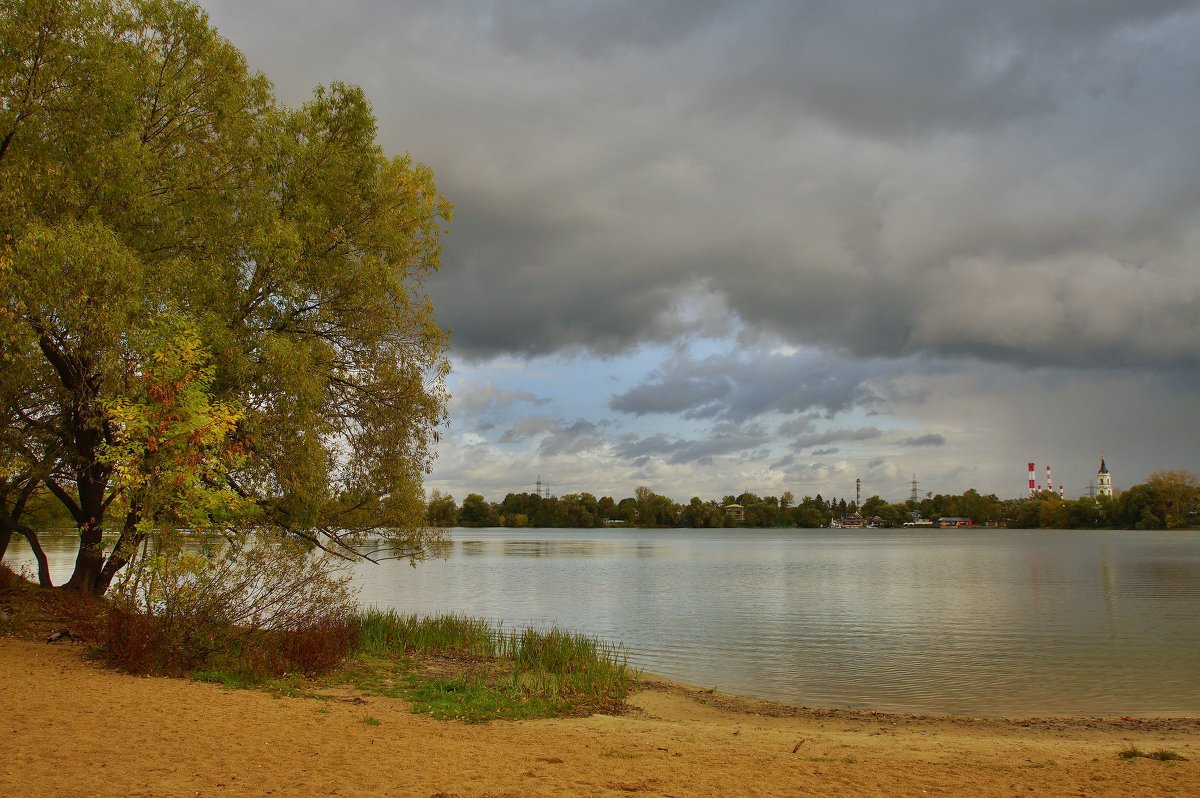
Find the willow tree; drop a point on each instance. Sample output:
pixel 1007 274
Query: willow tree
pixel 145 173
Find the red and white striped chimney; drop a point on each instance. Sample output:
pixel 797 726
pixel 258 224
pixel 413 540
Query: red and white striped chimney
pixel 1049 481
pixel 1032 480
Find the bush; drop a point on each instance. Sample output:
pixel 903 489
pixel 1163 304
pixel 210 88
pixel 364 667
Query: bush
pixel 260 608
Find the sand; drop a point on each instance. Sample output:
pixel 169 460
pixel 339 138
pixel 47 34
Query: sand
pixel 75 729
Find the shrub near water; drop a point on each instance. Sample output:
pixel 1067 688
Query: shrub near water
pixel 241 613
pixel 535 673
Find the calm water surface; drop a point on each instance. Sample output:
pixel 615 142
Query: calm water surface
pixel 984 622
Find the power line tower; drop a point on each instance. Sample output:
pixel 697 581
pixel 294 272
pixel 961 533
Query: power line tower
pixel 543 490
pixel 915 495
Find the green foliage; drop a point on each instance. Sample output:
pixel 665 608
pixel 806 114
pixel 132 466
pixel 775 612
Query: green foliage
pixel 476 511
pixel 172 445
pixel 441 511
pixel 1169 499
pixel 146 173
pixel 388 632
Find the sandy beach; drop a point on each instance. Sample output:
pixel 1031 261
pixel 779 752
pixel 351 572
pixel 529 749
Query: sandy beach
pixel 76 729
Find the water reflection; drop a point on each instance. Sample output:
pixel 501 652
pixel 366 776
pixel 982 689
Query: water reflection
pixel 1169 576
pixel 974 621
pixel 552 548
pixel 473 548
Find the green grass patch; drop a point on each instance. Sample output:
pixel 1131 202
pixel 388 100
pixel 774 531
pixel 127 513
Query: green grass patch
pixel 452 666
pixel 473 700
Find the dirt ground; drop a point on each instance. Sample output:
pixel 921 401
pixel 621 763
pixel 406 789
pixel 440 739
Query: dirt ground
pixel 74 729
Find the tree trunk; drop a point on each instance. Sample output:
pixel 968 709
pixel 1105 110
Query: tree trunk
pixel 127 544
pixel 92 478
pixel 5 535
pixel 39 554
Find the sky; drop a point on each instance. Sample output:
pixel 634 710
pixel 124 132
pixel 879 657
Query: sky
pixel 710 247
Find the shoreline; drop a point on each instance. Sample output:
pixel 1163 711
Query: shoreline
pixel 735 703
pixel 78 729
pixel 738 702
pixel 788 707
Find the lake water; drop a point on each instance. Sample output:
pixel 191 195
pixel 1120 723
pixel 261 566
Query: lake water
pixel 981 622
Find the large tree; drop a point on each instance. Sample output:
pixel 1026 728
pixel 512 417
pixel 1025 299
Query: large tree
pixel 146 173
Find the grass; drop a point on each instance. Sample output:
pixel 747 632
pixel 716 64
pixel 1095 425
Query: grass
pixel 456 667
pixel 1162 755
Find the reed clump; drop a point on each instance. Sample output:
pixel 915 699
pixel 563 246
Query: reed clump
pixel 499 673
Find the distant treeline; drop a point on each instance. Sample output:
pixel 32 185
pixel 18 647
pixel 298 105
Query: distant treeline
pixel 1167 500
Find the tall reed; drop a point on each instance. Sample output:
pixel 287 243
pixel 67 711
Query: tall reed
pixel 563 667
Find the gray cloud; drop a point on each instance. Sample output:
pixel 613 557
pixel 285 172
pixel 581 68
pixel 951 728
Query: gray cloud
pixel 580 436
pixel 722 440
pixel 739 386
pixel 478 399
pixel 554 437
pixel 1010 182
pixel 807 441
pixel 529 427
pixel 932 439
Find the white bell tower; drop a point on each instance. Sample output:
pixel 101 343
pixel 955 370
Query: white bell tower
pixel 1103 480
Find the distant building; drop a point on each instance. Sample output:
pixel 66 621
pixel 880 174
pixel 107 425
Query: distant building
pixel 735 512
pixel 1103 479
pixel 954 522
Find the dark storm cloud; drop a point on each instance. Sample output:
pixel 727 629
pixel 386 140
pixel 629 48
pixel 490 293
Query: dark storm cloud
pixel 1009 182
pixel 887 69
pixel 594 30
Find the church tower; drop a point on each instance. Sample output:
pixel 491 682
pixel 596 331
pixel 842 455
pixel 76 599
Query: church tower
pixel 1103 480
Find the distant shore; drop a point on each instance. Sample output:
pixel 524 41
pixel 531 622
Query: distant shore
pixel 77 729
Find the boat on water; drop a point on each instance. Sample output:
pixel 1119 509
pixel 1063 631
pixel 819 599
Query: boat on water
pixel 853 521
